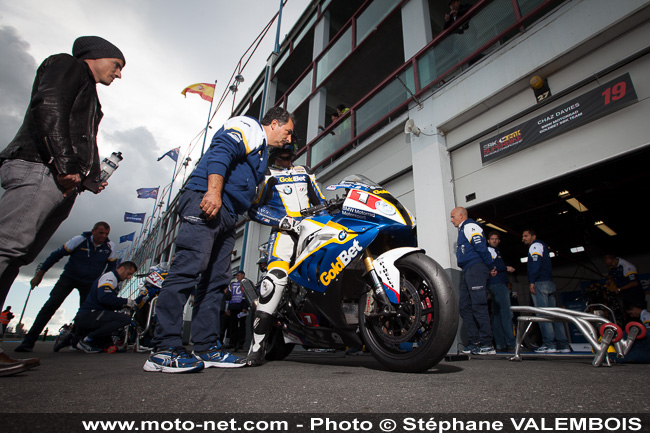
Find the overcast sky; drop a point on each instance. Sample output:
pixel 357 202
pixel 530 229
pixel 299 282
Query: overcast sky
pixel 168 45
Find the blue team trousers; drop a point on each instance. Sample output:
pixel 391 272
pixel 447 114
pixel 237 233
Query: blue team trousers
pixel 501 316
pixel 59 293
pixel 473 307
pixel 202 260
pixel 100 323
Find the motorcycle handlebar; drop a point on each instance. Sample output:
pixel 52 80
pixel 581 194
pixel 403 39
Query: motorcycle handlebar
pixel 328 206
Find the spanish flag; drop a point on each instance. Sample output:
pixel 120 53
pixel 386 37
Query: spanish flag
pixel 205 90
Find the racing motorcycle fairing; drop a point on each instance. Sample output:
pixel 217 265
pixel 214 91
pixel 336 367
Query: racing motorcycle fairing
pixel 328 249
pixel 366 200
pixel 328 244
pixel 388 272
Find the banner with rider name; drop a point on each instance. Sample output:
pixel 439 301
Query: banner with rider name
pixel 599 102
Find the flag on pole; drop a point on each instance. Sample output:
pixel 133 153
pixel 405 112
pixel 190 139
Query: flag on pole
pixel 173 154
pixel 128 237
pixel 205 90
pixel 134 217
pixel 147 193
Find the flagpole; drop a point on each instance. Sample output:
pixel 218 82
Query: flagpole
pixel 277 33
pixel 173 177
pixel 155 243
pixel 128 253
pixel 267 74
pixel 153 212
pixel 139 236
pixel 20 321
pixel 207 125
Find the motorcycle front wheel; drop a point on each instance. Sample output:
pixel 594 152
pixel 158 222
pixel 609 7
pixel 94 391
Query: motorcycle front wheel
pixel 423 327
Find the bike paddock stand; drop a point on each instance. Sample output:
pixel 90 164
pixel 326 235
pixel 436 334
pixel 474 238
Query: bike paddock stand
pixel 152 311
pixel 611 333
pixel 133 327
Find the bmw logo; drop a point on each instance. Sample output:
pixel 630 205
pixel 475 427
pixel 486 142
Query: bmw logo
pixel 342 235
pixel 287 190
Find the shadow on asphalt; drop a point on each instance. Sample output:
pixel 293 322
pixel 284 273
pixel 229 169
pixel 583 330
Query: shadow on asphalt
pixel 362 361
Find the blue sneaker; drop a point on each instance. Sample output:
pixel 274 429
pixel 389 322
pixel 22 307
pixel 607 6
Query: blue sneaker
pixel 218 357
pixel 64 339
pixel 173 360
pixel 484 350
pixel 88 347
pixel 470 348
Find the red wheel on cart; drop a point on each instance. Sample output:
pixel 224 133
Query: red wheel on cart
pixel 615 327
pixel 642 330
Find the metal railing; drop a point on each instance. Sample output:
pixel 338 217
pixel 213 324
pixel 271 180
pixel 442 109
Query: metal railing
pixel 485 26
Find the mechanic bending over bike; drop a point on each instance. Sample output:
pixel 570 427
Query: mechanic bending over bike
pixel 287 189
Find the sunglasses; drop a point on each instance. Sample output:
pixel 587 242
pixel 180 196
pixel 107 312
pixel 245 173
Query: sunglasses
pixel 284 158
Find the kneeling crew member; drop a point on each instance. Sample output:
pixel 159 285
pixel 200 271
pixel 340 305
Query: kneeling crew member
pixel 97 313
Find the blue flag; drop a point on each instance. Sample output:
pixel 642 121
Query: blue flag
pixel 147 192
pixel 134 217
pixel 128 237
pixel 173 154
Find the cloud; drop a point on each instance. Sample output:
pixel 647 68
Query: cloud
pixel 17 71
pixel 167 49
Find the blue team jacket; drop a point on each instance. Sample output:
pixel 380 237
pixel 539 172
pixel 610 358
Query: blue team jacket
pixel 502 270
pixel 471 246
pixel 87 262
pixel 539 263
pixel 103 294
pixel 237 153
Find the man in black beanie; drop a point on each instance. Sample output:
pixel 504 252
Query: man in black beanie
pixel 55 149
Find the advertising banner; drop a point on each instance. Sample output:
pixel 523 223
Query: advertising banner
pixel 599 102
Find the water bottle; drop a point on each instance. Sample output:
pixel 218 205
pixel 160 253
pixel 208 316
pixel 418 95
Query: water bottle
pixel 107 167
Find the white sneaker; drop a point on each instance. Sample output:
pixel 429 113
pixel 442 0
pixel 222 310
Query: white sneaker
pixel 546 349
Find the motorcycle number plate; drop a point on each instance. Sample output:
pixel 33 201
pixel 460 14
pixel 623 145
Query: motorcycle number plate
pixel 155 279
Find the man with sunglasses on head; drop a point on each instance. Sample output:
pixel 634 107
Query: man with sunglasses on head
pixel 286 191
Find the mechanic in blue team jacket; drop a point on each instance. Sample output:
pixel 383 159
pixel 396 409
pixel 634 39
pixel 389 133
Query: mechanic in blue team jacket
pixel 542 289
pixel 97 317
pixel 221 187
pixel 625 278
pixel 504 336
pixel 477 265
pixel 91 253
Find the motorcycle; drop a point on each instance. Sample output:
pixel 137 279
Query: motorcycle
pixel 139 332
pixel 359 278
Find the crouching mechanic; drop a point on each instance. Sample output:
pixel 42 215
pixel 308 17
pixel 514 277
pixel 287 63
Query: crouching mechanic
pixel 97 315
pixel 286 190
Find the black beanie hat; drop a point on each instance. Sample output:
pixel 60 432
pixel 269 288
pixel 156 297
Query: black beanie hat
pixel 94 47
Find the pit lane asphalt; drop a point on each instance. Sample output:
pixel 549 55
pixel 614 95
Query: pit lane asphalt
pixel 309 382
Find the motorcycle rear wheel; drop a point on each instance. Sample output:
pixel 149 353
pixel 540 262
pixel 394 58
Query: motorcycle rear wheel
pixel 421 336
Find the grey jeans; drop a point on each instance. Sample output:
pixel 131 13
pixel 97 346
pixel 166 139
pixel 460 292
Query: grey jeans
pixel 31 210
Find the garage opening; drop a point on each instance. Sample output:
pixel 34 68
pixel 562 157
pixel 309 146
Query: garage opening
pixel 581 216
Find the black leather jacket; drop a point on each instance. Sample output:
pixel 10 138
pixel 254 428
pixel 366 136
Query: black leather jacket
pixel 62 120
